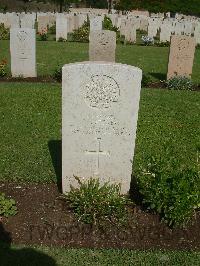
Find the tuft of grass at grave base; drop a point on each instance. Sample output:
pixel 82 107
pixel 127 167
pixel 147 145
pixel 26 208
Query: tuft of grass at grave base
pixel 31 121
pixel 21 255
pixel 151 59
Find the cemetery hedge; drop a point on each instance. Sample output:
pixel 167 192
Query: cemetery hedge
pixel 191 7
pixel 182 6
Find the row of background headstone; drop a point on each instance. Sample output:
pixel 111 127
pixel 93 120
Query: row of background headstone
pixel 102 47
pixel 127 24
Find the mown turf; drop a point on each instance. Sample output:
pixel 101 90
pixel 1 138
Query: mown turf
pixel 23 256
pixel 152 60
pixel 31 120
pixel 168 125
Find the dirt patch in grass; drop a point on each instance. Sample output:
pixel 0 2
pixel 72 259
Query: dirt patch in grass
pixel 45 218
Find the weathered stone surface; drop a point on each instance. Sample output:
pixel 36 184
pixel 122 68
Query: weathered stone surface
pixel 123 26
pixel 82 20
pixel 10 20
pixel 96 23
pixel 143 24
pixel 61 27
pixel 181 56
pixel 14 20
pixel 188 28
pixel 114 19
pixel 130 33
pixel 165 31
pixel 197 33
pixel 100 103
pixel 153 27
pixel 140 13
pixel 102 45
pixel 43 24
pixel 178 28
pixel 27 21
pixel 22 49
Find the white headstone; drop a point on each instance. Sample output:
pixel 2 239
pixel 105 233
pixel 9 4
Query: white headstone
pixel 28 21
pixel 96 23
pixel 197 33
pixel 153 27
pixel 22 49
pixel 100 103
pixel 43 24
pixel 14 21
pixel 61 27
pixel 143 24
pixel 70 23
pixel 119 21
pixel 82 19
pixel 130 33
pixel 102 45
pixel 181 56
pixel 123 26
pixel 113 18
pixel 165 31
pixel 188 28
pixel 179 28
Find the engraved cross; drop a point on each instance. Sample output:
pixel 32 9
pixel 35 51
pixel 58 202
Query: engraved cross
pixel 98 152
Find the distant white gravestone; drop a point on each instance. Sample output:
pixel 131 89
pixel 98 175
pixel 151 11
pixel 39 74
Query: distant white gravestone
pixel 181 56
pixel 96 23
pixel 102 45
pixel 61 27
pixel 23 52
pixel 100 103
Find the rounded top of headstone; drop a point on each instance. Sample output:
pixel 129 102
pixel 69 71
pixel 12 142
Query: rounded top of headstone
pixel 103 63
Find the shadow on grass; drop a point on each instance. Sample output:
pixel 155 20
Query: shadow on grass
pixel 20 257
pixel 158 76
pixel 55 149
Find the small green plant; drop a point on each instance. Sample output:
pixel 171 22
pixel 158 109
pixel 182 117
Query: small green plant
pixel 3 65
pixel 120 39
pixel 172 191
pixel 81 34
pixel 107 25
pixel 93 203
pixel 142 32
pixel 180 83
pixel 4 33
pixel 43 36
pixel 57 75
pixel 7 206
pixel 61 39
pixel 162 44
pixel 52 29
pixel 146 80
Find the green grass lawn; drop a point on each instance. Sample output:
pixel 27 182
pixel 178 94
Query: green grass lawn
pixel 152 60
pixel 23 256
pixel 31 119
